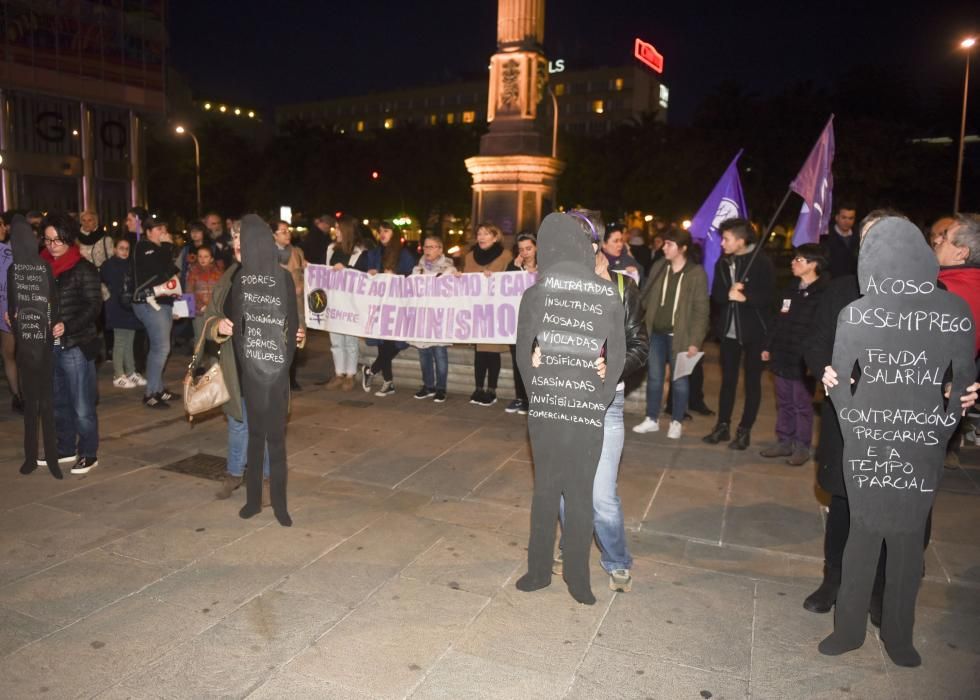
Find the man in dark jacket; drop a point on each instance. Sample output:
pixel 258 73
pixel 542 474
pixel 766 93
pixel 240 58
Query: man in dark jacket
pixel 841 243
pixel 743 290
pixel 314 246
pixel 76 344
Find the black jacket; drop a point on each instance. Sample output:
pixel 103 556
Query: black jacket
pixel 752 316
pixel 791 328
pixel 818 353
pixel 842 253
pixel 80 303
pixel 314 246
pixel 152 265
pixel 637 342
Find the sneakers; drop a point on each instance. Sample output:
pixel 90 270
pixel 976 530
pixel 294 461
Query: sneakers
pixel 484 398
pixel 228 485
pixel 425 393
pixel 440 396
pixel 387 389
pixel 649 425
pixel 123 382
pixel 674 431
pixel 167 395
pixel 778 450
pixel 85 465
pixel 515 406
pixel 620 580
pixel 366 377
pixel 155 401
pixel 137 379
pixel 62 461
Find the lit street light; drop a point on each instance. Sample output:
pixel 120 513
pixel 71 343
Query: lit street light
pixel 966 44
pixel 197 164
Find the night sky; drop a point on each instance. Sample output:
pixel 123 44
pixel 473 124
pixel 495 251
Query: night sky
pixel 265 53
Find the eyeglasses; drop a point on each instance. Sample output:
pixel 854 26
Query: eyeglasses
pixel 53 241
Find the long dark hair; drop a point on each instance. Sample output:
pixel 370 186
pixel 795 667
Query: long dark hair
pixel 393 250
pixel 346 224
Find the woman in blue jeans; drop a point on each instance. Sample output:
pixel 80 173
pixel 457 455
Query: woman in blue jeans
pixel 676 315
pixel 153 264
pixel 433 358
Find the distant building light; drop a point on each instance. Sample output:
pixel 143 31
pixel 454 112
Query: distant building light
pixel 251 115
pixel 556 66
pixel 375 174
pixel 115 223
pixel 469 117
pixel 686 224
pixel 365 222
pixel 618 84
pixel 433 119
pixel 453 250
pixel 598 107
pixel 222 108
pixel 559 89
pixel 664 96
pixel 74 132
pixel 450 118
pixel 207 105
pixel 359 127
pixel 389 123
pixel 648 218
pixel 237 110
pixel 647 55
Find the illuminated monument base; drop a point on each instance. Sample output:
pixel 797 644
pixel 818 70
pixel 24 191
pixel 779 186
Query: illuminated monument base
pixel 515 191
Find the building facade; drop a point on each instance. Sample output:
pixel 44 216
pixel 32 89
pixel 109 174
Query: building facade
pixel 77 80
pixel 589 102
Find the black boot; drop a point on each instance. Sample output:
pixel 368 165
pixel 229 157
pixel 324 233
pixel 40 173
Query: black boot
pixel 822 600
pixel 720 433
pixel 741 440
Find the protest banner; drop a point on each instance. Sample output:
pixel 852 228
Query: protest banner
pixel 466 308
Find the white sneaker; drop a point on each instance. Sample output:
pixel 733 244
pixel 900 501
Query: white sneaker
pixel 123 382
pixel 649 425
pixel 674 431
pixel 137 379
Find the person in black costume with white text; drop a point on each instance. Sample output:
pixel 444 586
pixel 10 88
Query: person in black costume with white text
pixel 574 317
pixel 902 344
pixel 265 320
pixel 32 312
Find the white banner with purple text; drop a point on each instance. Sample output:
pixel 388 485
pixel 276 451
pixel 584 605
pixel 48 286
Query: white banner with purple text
pixel 469 308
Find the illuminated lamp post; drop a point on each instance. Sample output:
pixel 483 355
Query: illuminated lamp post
pixel 197 164
pixel 968 45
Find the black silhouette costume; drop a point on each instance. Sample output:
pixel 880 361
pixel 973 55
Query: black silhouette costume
pixel 32 304
pixel 574 317
pixel 265 320
pixel 902 342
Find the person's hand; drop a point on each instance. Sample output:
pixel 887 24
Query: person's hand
pixel 600 366
pixel 226 327
pixel 969 397
pixel 602 266
pixel 829 379
pixel 389 272
pixel 300 335
pixel 536 357
pixel 372 273
pixel 457 273
pixel 519 261
pixel 737 292
pixel 487 273
pixel 631 270
pixel 58 330
pixel 6 318
pixel 165 237
pixel 338 266
pixel 692 351
pixel 765 356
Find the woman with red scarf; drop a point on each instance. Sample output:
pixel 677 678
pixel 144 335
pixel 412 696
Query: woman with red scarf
pixel 76 345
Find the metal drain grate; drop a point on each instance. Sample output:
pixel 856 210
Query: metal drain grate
pixel 201 465
pixel 356 404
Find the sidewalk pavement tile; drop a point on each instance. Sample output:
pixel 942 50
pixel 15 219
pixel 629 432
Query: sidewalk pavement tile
pixel 511 485
pixel 16 630
pixel 368 649
pixel 464 465
pixel 297 686
pixel 690 504
pixel 961 561
pixel 458 675
pixel 485 516
pixel 77 587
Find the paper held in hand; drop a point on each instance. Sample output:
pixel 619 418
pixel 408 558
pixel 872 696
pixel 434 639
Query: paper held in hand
pixel 684 365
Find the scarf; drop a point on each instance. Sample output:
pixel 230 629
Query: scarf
pixel 485 257
pixel 90 238
pixel 65 262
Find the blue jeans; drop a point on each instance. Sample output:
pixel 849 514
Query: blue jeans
pixel 238 446
pixel 661 355
pixel 157 324
pixel 435 367
pixel 75 418
pixel 607 509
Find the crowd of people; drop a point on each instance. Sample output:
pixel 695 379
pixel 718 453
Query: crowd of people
pixel 114 289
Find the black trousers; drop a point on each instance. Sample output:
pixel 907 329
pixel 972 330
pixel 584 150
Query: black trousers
pixel 486 369
pixel 386 353
pixel 37 392
pixel 267 427
pixel 519 390
pixel 749 356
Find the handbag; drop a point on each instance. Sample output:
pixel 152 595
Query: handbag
pixel 205 391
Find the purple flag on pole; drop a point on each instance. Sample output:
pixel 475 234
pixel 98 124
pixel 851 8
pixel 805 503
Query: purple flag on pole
pixel 726 201
pixel 815 183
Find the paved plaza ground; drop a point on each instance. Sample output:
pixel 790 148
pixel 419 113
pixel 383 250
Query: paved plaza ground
pixel 397 579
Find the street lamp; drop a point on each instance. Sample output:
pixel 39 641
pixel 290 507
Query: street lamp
pixel 966 44
pixel 197 164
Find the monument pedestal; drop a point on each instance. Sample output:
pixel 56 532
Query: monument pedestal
pixel 515 191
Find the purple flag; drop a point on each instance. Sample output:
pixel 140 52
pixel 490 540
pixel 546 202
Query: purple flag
pixel 815 183
pixel 726 201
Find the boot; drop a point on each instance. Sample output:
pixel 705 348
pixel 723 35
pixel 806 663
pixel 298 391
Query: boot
pixel 781 449
pixel 720 433
pixel 741 440
pixel 822 600
pixel 800 456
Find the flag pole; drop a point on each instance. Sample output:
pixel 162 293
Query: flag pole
pixel 765 235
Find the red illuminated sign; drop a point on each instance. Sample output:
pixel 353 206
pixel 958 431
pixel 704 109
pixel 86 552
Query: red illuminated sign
pixel 649 56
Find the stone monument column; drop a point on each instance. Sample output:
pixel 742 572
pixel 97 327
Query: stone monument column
pixel 513 180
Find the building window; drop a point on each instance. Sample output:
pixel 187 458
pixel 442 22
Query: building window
pixel 597 106
pixel 433 119
pixel 664 96
pixel 559 89
pixel 469 117
pixel 618 84
pixel 389 123
pixel 450 118
pixel 359 127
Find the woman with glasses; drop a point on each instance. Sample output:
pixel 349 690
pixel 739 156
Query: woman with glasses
pixel 76 345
